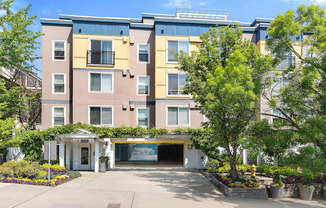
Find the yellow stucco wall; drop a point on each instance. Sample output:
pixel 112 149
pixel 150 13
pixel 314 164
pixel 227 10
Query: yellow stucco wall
pixel 161 65
pixel 121 47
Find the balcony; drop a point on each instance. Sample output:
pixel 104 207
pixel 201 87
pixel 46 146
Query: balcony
pixel 104 58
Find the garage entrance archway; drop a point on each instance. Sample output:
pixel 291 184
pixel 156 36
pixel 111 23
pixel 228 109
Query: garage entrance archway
pixel 149 154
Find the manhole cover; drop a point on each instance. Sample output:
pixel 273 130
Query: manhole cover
pixel 114 206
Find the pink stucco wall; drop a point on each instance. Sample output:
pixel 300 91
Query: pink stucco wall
pixel 49 67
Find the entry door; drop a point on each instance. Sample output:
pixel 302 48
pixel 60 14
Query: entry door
pixel 85 157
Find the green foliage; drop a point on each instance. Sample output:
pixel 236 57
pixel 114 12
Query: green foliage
pixel 308 179
pixel 32 141
pixel 271 140
pixel 309 159
pixel 213 165
pixel 17 41
pixel 22 169
pixel 277 178
pixel 74 174
pixel 6 171
pixel 104 159
pixel 225 78
pixel 305 96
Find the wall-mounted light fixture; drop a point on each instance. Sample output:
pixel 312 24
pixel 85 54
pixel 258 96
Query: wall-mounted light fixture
pixel 80 30
pixel 121 32
pixel 162 31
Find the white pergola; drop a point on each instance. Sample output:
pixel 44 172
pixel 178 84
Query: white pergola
pixel 68 140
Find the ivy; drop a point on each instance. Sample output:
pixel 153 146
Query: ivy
pixel 32 141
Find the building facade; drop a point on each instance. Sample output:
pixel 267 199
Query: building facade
pixel 121 71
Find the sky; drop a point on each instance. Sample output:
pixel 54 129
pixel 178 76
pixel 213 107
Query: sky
pixel 241 10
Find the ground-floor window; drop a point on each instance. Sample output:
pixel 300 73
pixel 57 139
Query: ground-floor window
pixel 178 116
pixel 59 116
pixel 143 117
pixel 99 115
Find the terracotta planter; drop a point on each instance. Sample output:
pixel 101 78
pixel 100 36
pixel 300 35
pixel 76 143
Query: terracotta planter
pixel 306 194
pixel 277 191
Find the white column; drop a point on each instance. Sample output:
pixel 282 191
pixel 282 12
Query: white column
pixel 244 155
pixel 68 147
pixel 96 169
pixel 62 153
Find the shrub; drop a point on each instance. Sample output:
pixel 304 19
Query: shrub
pixel 213 166
pixel 6 172
pixel 277 178
pixel 42 174
pixel 27 172
pixel 74 174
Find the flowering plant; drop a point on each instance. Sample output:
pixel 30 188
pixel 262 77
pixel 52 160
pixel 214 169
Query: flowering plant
pixel 228 182
pixel 57 180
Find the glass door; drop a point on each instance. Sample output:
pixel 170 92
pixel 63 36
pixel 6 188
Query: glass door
pixel 85 157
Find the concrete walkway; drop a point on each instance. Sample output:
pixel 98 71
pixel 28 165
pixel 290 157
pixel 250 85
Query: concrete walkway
pixel 144 188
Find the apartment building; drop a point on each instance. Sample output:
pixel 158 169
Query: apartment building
pixel 119 71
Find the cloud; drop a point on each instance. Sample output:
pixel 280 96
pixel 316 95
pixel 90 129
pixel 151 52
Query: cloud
pixel 178 3
pixel 59 10
pixel 319 2
pixel 202 3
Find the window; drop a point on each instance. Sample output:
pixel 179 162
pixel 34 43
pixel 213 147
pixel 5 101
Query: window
pixel 143 117
pixel 59 82
pixel 176 84
pixel 101 82
pixel 101 52
pixel 101 116
pixel 176 46
pixel 59 50
pixel 279 83
pixel 143 85
pixel 287 62
pixel 143 53
pixel 59 116
pixel 178 116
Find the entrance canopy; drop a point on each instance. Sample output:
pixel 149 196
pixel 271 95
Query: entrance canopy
pixel 66 140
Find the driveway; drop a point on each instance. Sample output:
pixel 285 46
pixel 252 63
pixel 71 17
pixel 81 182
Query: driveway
pixel 135 188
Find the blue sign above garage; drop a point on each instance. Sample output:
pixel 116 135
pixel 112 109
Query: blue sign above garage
pixel 136 152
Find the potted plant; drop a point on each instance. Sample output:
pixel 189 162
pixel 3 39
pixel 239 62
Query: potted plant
pixel 306 190
pixel 277 187
pixel 103 163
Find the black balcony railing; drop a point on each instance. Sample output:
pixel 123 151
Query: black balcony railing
pixel 101 57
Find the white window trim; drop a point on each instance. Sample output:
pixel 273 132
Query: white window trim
pixel 105 39
pixel 167 49
pixel 177 106
pixel 149 53
pixel 64 113
pixel 102 106
pixel 167 85
pixel 64 75
pixel 149 85
pixel 148 110
pixel 89 82
pixel 65 49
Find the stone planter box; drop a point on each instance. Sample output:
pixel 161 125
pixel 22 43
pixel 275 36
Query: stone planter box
pixel 252 193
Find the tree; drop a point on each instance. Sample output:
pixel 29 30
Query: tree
pixel 18 43
pixel 302 102
pixel 225 78
pixel 273 140
pixel 18 47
